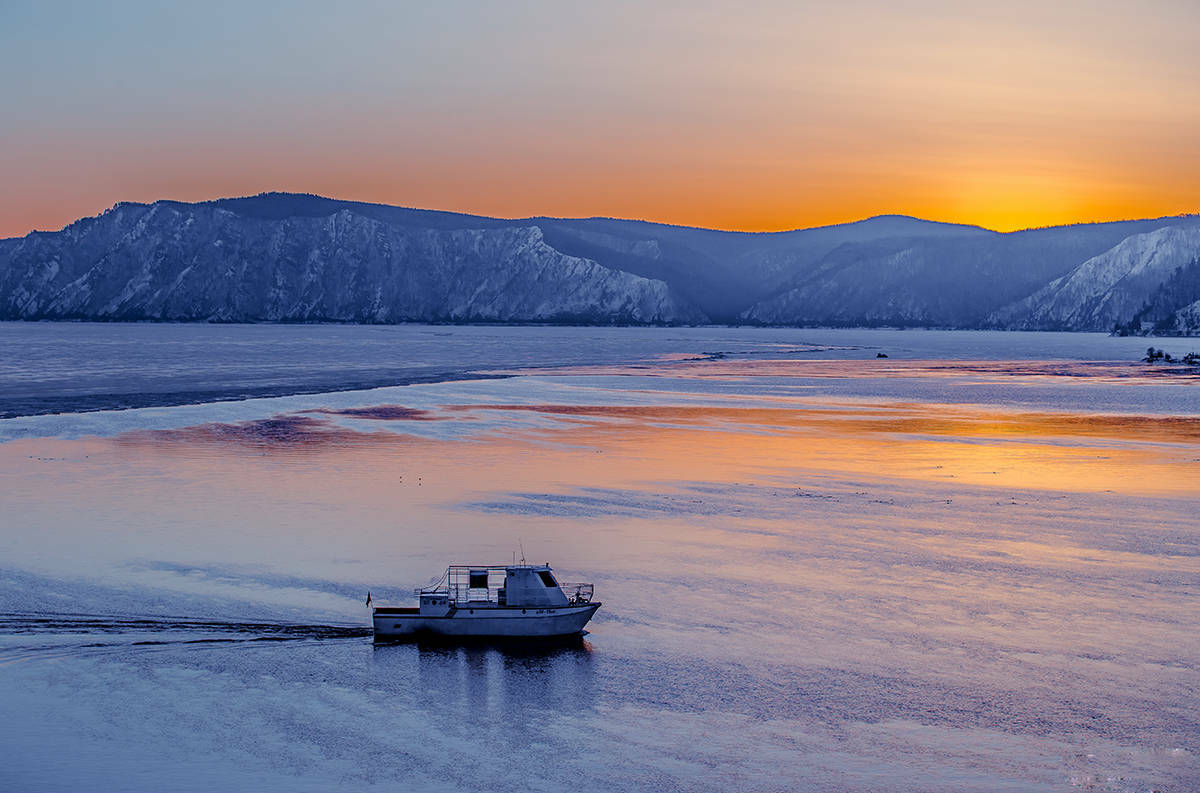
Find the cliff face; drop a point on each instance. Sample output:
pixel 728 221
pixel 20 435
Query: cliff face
pixel 298 258
pixel 965 281
pixel 1108 289
pixel 202 262
pixel 1187 320
pixel 1172 309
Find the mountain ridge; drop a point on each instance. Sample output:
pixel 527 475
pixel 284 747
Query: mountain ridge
pixel 302 257
pixel 275 194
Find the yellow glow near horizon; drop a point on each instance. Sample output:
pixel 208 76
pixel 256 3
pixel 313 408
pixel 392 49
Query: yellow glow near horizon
pixel 765 115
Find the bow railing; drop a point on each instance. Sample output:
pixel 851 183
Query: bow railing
pixel 577 593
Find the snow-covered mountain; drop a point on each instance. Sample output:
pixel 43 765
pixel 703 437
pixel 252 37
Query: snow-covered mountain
pixel 965 281
pixel 1108 289
pixel 300 258
pixel 173 261
pixel 1173 308
pixel 1186 320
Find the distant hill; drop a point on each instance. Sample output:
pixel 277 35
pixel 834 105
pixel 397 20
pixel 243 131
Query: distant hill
pixel 302 258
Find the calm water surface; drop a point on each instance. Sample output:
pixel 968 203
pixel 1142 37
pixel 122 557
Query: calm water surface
pixel 972 565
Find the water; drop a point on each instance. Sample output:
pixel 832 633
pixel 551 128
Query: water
pixel 59 367
pixel 972 565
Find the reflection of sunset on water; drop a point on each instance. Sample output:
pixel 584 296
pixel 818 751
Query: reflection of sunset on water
pixel 914 441
pixel 877 549
pixel 1011 372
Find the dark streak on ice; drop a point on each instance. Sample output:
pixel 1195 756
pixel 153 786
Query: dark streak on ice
pixel 293 431
pixel 382 413
pixel 12 406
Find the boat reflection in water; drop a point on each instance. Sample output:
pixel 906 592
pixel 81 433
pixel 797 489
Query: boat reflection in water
pixel 510 688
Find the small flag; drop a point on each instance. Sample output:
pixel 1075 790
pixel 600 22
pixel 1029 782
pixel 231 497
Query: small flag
pixel 368 597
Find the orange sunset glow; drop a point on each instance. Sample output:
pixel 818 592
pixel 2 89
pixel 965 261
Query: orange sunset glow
pixel 762 117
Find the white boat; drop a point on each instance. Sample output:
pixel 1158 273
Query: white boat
pixel 490 601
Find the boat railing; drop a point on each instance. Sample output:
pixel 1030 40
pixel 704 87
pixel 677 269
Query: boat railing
pixel 461 593
pixel 456 585
pixel 458 580
pixel 577 593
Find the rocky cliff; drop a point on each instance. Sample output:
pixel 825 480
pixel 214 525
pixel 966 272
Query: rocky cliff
pixel 171 261
pixel 1108 289
pixel 299 258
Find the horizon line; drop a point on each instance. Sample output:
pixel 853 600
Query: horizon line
pixel 516 218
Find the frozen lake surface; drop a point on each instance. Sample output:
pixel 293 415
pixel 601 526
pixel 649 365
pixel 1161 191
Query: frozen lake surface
pixel 971 565
pixel 52 367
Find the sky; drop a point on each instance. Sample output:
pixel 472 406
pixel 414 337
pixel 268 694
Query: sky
pixel 747 115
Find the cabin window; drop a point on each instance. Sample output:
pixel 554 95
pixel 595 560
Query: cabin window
pixel 547 579
pixel 479 579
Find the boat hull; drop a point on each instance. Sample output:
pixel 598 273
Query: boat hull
pixel 491 623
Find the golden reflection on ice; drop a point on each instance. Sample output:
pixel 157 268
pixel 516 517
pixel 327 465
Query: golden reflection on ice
pixel 717 367
pixel 607 443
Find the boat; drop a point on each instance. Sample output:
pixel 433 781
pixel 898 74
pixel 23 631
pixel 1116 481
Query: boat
pixel 490 602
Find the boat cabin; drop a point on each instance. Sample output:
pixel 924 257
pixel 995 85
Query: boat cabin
pixel 499 586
